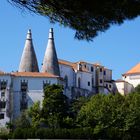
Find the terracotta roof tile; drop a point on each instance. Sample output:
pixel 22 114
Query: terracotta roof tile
pixel 4 73
pixel 63 62
pixel 34 74
pixel 73 65
pixel 134 70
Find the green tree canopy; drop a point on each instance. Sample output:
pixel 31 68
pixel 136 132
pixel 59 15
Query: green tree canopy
pixel 86 17
pixel 35 113
pixel 55 106
pixel 112 114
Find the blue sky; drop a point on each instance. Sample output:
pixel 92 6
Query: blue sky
pixel 118 48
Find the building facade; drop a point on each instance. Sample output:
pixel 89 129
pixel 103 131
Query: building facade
pixel 19 90
pixel 129 80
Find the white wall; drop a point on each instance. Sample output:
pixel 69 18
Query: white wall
pixel 124 87
pixel 120 87
pixel 66 70
pixel 34 96
pixel 34 93
pixel 85 78
pixel 34 83
pixel 7 78
pixel 133 79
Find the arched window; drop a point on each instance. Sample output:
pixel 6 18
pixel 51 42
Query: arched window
pixel 79 82
pixel 66 81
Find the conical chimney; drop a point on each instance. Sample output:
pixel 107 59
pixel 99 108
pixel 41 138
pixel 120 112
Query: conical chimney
pixel 28 61
pixel 50 62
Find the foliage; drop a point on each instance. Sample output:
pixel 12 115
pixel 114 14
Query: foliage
pixel 47 133
pixel 22 121
pixel 10 126
pixel 86 17
pixel 4 136
pixel 75 107
pixel 101 117
pixel 78 103
pixel 137 89
pixel 112 116
pixel 55 106
pixel 35 113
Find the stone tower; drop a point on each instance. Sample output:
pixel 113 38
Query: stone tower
pixel 50 62
pixel 28 61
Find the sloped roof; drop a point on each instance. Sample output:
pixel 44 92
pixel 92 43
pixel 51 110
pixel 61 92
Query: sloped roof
pixel 34 74
pixel 73 65
pixel 133 70
pixel 64 62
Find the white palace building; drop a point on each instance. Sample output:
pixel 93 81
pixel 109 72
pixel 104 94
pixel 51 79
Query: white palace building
pixel 19 90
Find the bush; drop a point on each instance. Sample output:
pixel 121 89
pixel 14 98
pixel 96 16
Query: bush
pixel 4 136
pixel 46 133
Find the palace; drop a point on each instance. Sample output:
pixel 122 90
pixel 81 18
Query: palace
pixel 19 90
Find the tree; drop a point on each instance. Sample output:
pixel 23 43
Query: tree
pixel 86 17
pixel 76 104
pixel 35 113
pixel 55 106
pixel 112 116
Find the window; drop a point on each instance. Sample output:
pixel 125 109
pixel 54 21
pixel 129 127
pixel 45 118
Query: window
pixel 91 69
pixel 79 82
pixel 100 69
pixel 110 86
pixel 104 72
pixel 3 85
pixel 2 104
pixel 85 66
pixel 44 85
pixel 2 116
pixel 88 83
pixel 24 86
pixel 24 95
pixel 23 101
pixel 101 81
pixel 2 94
